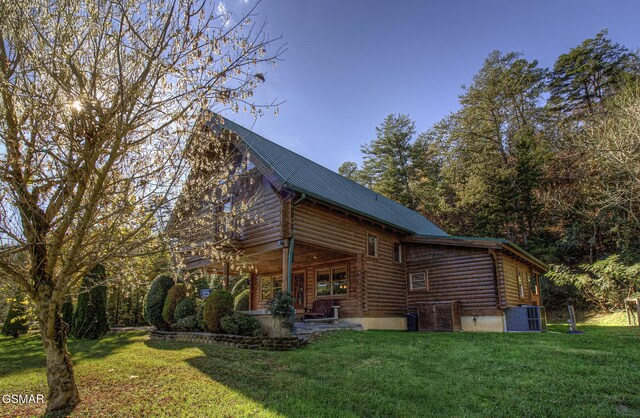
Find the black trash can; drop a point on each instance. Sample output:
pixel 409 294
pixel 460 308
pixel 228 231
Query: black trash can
pixel 412 322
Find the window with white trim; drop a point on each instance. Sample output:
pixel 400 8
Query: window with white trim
pixel 332 282
pixel 397 252
pixel 520 284
pixel 533 283
pixel 418 281
pixel 269 287
pixel 372 245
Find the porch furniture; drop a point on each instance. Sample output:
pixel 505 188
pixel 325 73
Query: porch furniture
pixel 322 308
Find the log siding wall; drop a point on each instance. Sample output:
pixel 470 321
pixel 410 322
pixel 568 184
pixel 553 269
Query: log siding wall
pixel 483 280
pixel 267 208
pixel 454 274
pixel 511 266
pixel 377 285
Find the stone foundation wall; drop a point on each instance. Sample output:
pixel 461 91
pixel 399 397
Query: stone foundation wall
pixel 236 341
pixel 483 323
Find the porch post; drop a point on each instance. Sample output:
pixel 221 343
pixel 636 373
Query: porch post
pixel 285 265
pixel 290 264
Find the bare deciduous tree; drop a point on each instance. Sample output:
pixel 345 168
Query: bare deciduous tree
pixel 97 101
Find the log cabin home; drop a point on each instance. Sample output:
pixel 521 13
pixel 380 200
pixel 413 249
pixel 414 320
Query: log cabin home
pixel 323 236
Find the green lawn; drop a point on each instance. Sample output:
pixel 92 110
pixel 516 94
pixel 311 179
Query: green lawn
pixel 372 373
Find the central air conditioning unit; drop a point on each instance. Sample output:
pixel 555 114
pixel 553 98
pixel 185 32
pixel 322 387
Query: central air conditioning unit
pixel 526 318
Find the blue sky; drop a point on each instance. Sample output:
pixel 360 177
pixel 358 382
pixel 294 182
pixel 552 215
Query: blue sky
pixel 350 63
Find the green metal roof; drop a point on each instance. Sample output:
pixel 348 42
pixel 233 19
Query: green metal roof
pixel 498 242
pixel 302 175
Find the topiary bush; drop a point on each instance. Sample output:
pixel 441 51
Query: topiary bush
pixel 154 301
pixel 241 302
pixel 175 295
pixel 184 308
pixel 16 322
pixel 186 324
pixel 240 323
pixel 201 324
pixel 240 286
pixel 218 305
pixel 90 318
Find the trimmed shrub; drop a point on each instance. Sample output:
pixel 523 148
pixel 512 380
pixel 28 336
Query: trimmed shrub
pixel 16 322
pixel 240 286
pixel 241 302
pixel 218 305
pixel 176 294
pixel 282 310
pixel 184 308
pixel 154 301
pixel 90 318
pixel 186 324
pixel 240 323
pixel 67 310
pixel 260 333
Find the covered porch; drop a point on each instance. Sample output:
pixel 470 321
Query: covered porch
pixel 308 272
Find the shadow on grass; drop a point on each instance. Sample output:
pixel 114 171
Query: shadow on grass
pixel 378 373
pixel 18 355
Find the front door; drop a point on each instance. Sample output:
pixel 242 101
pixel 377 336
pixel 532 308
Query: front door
pixel 298 290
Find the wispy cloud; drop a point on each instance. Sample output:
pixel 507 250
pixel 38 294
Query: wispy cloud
pixel 221 9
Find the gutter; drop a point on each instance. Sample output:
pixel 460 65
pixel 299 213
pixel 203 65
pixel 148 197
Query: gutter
pixel 523 253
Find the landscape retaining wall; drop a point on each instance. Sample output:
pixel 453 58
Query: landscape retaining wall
pixel 236 341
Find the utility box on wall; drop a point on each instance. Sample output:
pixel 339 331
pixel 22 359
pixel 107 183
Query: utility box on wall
pixel 526 318
pixel 439 316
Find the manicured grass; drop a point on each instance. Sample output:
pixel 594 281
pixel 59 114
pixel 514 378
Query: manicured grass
pixel 616 318
pixel 343 374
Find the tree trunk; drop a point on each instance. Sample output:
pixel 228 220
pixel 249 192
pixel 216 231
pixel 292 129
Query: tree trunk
pixel 63 392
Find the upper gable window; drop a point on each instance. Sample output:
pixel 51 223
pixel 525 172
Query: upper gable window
pixel 372 245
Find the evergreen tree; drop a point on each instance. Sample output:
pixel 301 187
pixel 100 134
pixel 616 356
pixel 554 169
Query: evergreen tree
pixel 587 74
pixel 155 299
pixel 492 151
pixel 16 322
pixel 388 160
pixel 349 169
pixel 90 318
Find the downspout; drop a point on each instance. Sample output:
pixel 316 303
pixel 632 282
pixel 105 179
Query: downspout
pixel 292 242
pixel 496 280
